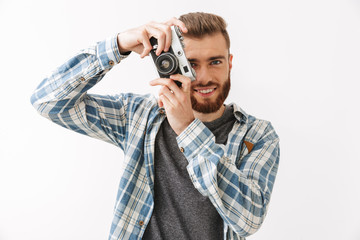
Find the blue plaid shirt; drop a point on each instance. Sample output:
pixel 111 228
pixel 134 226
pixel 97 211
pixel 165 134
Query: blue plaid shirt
pixel 237 177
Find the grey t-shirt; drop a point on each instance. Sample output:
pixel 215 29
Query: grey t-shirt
pixel 180 211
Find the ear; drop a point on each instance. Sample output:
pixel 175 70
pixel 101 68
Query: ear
pixel 230 61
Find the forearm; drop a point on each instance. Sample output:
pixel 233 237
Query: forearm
pixel 67 85
pixel 62 97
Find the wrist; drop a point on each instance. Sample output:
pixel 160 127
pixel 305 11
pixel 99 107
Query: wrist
pixel 183 127
pixel 122 49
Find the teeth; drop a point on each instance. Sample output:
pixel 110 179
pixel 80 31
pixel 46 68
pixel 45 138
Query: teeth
pixel 206 91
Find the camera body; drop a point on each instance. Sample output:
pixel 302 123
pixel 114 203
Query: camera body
pixel 174 61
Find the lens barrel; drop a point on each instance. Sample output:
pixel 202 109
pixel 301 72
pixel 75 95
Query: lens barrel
pixel 167 63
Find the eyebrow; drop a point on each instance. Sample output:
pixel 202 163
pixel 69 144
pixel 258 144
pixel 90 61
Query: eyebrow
pixel 209 59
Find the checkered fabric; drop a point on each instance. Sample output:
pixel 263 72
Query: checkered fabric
pixel 237 177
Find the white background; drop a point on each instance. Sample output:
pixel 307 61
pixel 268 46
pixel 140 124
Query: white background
pixel 296 63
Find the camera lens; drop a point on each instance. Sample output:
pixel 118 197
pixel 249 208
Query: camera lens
pixel 166 63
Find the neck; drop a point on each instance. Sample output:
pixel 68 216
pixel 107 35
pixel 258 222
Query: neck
pixel 208 117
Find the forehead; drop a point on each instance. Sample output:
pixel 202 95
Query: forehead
pixel 205 47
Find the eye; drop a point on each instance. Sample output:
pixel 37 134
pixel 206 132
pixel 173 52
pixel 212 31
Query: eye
pixel 215 62
pixel 193 65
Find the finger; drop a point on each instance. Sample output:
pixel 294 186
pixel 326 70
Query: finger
pixel 177 22
pixel 166 30
pixel 166 102
pixel 162 33
pixel 185 82
pixel 164 82
pixel 159 35
pixel 168 83
pixel 160 103
pixel 144 40
pixel 169 95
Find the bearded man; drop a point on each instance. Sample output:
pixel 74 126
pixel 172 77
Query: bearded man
pixel 194 167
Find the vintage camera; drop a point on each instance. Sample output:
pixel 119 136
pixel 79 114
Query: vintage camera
pixel 174 61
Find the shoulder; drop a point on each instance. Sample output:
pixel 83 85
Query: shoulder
pixel 256 129
pixel 260 129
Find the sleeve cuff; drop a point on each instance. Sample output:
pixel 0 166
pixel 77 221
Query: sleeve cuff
pixel 192 140
pixel 108 53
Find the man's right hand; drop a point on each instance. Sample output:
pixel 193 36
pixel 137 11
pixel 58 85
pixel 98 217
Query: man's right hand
pixel 137 39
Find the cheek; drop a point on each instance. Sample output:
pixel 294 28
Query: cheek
pixel 221 75
pixel 221 71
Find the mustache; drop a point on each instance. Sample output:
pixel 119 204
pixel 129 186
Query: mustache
pixel 206 85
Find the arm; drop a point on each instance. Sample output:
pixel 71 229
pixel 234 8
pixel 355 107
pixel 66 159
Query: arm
pixel 240 189
pixel 238 182
pixel 63 98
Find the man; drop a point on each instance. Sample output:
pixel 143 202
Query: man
pixel 194 167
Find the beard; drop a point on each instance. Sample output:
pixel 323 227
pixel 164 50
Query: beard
pixel 209 106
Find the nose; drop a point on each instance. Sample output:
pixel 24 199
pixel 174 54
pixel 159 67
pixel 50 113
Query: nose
pixel 203 75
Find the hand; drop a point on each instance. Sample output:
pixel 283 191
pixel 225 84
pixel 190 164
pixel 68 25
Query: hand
pixel 137 39
pixel 176 101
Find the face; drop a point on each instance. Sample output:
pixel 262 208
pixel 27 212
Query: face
pixel 209 56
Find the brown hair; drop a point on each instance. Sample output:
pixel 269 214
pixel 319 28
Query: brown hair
pixel 200 24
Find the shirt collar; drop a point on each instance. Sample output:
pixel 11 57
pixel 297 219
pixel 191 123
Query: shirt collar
pixel 239 113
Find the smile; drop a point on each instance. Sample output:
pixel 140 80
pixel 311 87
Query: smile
pixel 205 92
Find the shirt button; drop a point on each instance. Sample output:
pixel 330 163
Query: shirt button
pixel 111 63
pixel 82 79
pixel 141 223
pixel 182 149
pixel 161 111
